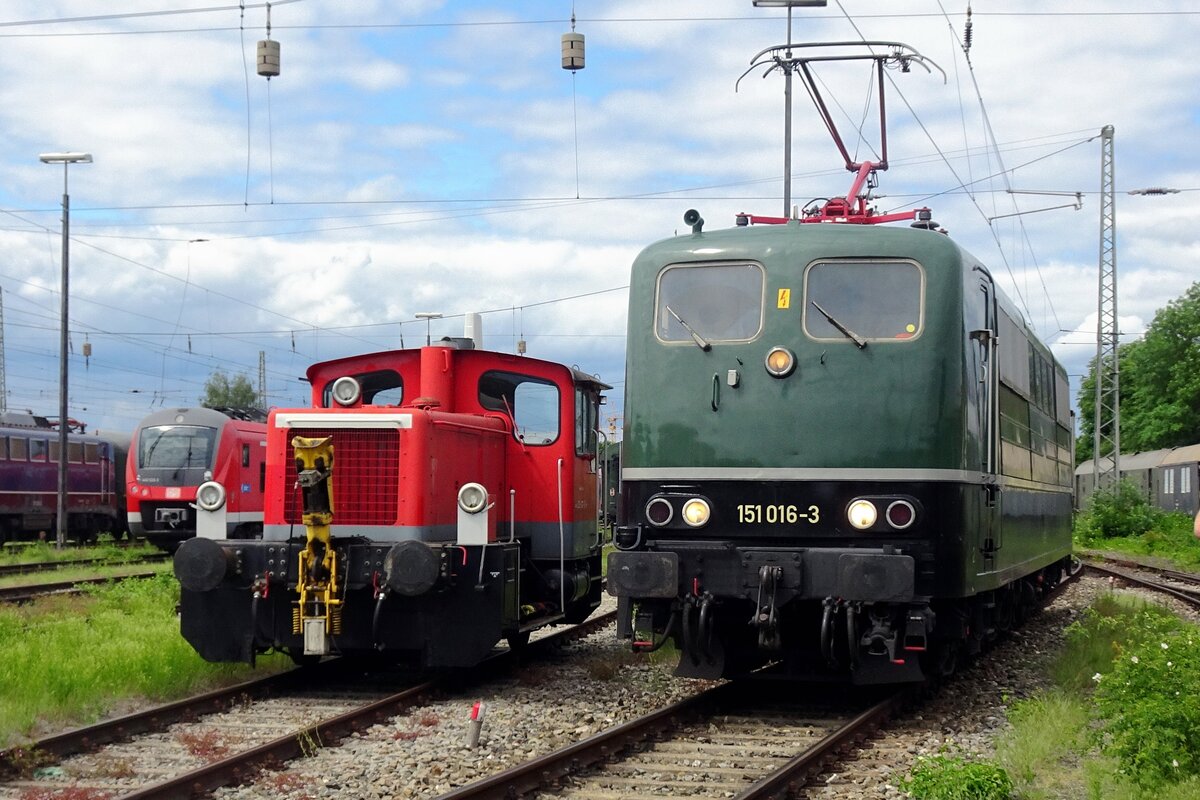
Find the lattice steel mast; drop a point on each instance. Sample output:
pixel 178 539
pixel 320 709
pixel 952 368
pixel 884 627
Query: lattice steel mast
pixel 262 379
pixel 1108 398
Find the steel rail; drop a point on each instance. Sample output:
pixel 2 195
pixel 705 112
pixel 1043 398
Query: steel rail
pixel 33 567
pixel 89 737
pixel 1166 572
pixel 544 771
pixel 24 594
pixel 535 774
pixel 242 766
pixel 798 770
pixel 1179 594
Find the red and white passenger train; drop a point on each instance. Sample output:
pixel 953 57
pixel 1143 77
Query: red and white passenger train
pixel 177 449
pixel 429 503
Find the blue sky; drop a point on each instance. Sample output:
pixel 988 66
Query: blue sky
pixel 433 156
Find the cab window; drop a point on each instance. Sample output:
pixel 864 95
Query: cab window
pixel 532 403
pixel 587 418
pixel 871 300
pixel 719 302
pixel 382 387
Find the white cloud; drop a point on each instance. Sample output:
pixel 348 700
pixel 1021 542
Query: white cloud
pixel 377 176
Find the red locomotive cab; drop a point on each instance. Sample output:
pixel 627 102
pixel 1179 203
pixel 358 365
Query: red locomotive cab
pixel 410 429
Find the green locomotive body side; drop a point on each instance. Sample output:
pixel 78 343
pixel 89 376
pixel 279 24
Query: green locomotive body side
pixel 910 379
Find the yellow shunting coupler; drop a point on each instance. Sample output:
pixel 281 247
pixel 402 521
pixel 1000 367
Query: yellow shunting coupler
pixel 318 613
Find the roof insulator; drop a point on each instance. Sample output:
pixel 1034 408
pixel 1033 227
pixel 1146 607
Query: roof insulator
pixel 572 48
pixel 268 52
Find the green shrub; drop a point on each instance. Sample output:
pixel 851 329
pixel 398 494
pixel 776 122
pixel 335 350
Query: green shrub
pixel 1120 511
pixel 1148 703
pixel 954 778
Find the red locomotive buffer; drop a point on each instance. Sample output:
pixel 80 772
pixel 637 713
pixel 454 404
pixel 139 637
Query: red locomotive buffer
pixel 430 503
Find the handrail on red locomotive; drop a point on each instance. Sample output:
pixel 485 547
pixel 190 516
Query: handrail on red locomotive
pixel 853 207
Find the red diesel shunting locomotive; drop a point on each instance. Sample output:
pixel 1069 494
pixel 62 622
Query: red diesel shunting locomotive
pixel 428 504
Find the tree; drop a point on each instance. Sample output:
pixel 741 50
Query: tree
pixel 1160 383
pixel 221 392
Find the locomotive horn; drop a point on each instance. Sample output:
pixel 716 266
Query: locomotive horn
pixel 692 217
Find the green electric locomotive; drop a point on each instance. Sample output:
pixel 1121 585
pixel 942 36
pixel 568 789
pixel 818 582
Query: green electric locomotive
pixel 843 450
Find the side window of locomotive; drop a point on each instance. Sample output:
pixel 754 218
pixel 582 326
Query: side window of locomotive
pixel 532 403
pixel 719 302
pixel 245 455
pixel 37 449
pixel 875 300
pixel 587 415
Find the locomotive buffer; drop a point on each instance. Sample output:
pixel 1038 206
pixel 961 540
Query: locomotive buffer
pixel 318 613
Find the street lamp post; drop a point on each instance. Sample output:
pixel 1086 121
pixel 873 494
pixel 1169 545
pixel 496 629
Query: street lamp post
pixel 66 159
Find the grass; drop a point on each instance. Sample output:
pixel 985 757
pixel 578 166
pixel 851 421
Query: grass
pixel 1170 538
pixel 105 550
pixel 113 570
pixel 1111 727
pixel 1120 519
pixel 72 660
pixel 1120 723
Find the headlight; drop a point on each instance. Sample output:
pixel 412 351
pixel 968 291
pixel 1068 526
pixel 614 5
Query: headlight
pixel 862 514
pixel 210 496
pixel 780 362
pixel 346 391
pixel 659 511
pixel 696 512
pixel 472 498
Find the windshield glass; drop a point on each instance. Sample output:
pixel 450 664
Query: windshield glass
pixel 877 300
pixel 720 302
pixel 176 446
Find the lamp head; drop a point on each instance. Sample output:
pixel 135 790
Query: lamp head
pixel 66 158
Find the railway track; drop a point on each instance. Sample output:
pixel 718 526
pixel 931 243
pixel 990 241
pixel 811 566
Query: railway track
pixel 175 754
pixel 1183 586
pixel 735 740
pixel 34 567
pixel 25 594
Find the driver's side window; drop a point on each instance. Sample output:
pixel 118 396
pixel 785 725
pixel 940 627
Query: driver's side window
pixel 532 403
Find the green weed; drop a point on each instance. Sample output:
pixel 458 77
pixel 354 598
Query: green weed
pixel 954 778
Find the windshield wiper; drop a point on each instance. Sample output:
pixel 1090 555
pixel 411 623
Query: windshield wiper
pixel 697 338
pixel 849 334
